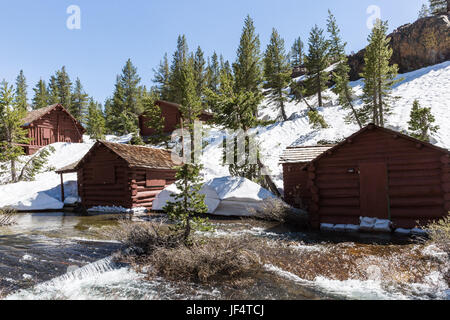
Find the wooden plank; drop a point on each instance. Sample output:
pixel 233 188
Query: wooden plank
pixel 342 202
pixel 415 181
pixel 416 202
pixel 414 212
pixel 341 211
pixel 412 191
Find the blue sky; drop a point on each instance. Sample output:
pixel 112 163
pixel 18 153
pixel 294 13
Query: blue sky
pixel 35 37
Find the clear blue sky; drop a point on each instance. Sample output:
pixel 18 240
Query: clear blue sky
pixel 35 37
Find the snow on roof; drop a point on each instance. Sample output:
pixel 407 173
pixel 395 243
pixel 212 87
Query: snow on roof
pixel 303 154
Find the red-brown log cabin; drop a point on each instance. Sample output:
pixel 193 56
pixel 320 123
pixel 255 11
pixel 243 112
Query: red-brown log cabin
pixel 113 174
pixel 49 125
pixel 172 118
pixel 376 172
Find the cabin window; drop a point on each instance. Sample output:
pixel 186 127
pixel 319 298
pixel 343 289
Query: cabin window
pixel 104 175
pixel 46 134
pixel 154 182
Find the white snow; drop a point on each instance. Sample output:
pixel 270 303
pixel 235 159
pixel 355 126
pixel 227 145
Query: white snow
pixel 116 209
pixel 225 196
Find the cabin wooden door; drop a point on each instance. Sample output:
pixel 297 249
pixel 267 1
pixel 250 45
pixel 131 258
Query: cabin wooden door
pixel 374 190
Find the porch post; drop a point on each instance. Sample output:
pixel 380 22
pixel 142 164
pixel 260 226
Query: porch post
pixel 62 187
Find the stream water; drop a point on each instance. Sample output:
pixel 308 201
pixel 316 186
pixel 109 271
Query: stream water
pixel 66 256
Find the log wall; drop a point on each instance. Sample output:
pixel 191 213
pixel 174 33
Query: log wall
pixel 296 192
pixel 110 187
pixel 418 180
pixel 146 184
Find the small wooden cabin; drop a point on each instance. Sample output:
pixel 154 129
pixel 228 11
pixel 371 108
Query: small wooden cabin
pixel 49 125
pixel 113 174
pixel 378 173
pixel 172 118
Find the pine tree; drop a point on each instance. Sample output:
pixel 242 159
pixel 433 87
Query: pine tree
pixel 41 97
pixel 155 119
pixel 199 72
pixel 379 76
pixel 439 6
pixel 12 135
pixel 21 99
pixel 191 104
pixel 316 63
pixel 180 59
pixel 64 87
pixel 277 72
pixel 79 101
pixel 421 122
pixel 248 67
pixel 53 91
pixel 341 72
pixel 213 73
pixel 126 103
pixel 188 203
pixel 424 11
pixel 95 125
pixel 162 78
pixel 297 53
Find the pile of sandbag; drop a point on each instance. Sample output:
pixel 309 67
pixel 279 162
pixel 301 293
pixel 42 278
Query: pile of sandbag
pixel 226 196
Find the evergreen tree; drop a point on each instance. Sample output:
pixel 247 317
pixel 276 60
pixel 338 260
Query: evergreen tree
pixel 79 101
pixel 297 53
pixel 277 72
pixel 439 6
pixel 248 67
pixel 213 73
pixel 53 91
pixel 21 99
pixel 155 119
pixel 421 122
pixel 341 72
pixel 180 59
pixel 162 78
pixel 12 135
pixel 424 11
pixel 35 164
pixel 316 63
pixel 379 77
pixel 64 87
pixel 126 103
pixel 199 72
pixel 95 125
pixel 41 97
pixel 191 104
pixel 188 203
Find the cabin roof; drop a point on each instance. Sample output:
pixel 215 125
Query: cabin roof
pixel 134 156
pixel 68 169
pixel 34 115
pixel 302 154
pixel 370 127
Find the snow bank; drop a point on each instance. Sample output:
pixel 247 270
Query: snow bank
pixel 115 209
pixel 225 196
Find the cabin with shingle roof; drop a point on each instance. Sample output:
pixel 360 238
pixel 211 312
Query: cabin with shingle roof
pixel 49 125
pixel 113 174
pixel 376 173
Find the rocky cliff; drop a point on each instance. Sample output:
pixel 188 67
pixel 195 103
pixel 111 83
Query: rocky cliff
pixel 416 45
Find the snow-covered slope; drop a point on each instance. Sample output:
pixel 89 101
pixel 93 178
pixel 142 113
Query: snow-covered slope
pixel 431 86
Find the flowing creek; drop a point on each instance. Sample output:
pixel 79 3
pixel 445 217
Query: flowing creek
pixel 66 256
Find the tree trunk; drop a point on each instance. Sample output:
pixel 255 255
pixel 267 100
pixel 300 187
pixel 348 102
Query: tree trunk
pixel 13 171
pixel 269 180
pixel 349 100
pixel 283 111
pixel 319 91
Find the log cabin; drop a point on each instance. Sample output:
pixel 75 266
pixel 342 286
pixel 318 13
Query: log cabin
pixel 172 118
pixel 49 125
pixel 376 172
pixel 113 174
